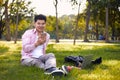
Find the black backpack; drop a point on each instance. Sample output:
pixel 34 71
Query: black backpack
pixel 77 60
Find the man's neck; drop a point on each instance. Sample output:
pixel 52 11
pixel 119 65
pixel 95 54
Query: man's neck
pixel 40 32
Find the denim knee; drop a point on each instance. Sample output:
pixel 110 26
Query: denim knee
pixel 51 55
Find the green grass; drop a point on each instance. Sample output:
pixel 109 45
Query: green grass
pixel 10 68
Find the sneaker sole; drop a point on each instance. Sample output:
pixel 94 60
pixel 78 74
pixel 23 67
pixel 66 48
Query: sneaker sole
pixel 47 73
pixel 57 73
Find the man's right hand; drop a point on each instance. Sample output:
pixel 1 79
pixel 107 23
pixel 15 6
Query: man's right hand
pixel 39 42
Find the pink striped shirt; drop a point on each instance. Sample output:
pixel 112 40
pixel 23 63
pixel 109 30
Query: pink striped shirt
pixel 28 41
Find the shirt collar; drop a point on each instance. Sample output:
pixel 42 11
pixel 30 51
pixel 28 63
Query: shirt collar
pixel 34 31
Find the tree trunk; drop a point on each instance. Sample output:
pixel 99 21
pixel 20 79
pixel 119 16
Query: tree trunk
pixel 16 30
pixel 0 29
pixel 87 22
pixel 112 22
pixel 75 32
pixel 106 28
pixel 8 35
pixel 96 30
pixel 57 31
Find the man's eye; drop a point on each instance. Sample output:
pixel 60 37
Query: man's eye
pixel 41 23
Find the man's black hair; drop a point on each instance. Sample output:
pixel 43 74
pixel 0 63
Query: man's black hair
pixel 40 17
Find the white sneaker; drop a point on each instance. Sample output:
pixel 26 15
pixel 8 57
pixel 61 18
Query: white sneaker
pixel 57 72
pixel 54 72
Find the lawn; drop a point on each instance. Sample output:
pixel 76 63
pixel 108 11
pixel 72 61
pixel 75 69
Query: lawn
pixel 109 69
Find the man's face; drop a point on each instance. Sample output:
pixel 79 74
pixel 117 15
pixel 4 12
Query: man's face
pixel 40 25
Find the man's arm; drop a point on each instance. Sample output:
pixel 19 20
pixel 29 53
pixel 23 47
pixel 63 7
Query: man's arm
pixel 27 46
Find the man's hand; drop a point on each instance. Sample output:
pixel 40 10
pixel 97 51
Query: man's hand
pixel 41 39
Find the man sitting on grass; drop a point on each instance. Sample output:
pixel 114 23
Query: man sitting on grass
pixel 34 42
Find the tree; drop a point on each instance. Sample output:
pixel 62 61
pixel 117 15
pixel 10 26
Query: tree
pixel 75 2
pixel 87 20
pixel 68 23
pixel 106 28
pixel 95 18
pixel 57 31
pixel 114 14
pixel 50 26
pixel 108 5
pixel 2 23
pixel 16 30
pixel 2 28
pixel 18 10
pixel 75 32
pixel 7 21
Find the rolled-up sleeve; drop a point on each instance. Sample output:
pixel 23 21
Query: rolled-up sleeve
pixel 47 39
pixel 26 42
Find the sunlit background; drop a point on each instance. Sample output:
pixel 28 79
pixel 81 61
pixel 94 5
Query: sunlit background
pixel 64 7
